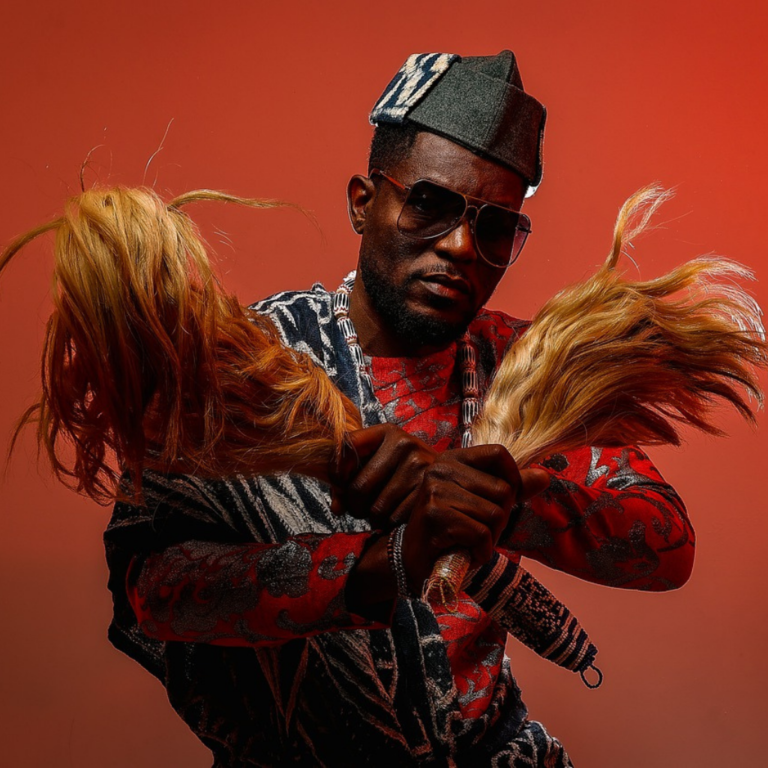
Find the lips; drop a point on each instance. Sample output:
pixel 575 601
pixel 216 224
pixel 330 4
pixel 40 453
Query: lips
pixel 453 284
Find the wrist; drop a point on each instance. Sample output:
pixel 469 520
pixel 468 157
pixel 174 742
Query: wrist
pixel 371 586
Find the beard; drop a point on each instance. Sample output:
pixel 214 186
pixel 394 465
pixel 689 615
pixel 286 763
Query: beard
pixel 389 301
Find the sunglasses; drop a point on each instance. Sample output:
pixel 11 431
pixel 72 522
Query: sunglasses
pixel 431 211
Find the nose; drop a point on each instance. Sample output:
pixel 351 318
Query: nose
pixel 458 244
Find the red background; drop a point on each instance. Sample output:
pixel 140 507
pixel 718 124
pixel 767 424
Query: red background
pixel 271 99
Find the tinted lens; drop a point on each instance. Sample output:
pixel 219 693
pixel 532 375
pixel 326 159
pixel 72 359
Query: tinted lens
pixel 430 210
pixel 500 234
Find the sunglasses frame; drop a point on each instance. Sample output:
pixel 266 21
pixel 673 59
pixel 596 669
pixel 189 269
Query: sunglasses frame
pixel 469 203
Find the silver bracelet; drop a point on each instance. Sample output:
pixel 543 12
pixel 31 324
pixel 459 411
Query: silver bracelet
pixel 395 557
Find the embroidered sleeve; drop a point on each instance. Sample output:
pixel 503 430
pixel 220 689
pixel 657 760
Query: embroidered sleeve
pixel 610 518
pixel 246 594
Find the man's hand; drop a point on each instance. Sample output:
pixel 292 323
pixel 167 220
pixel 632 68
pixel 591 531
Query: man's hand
pixel 465 500
pixel 379 473
pixel 461 498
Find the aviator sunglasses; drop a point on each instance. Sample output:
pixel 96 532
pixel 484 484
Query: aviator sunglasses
pixel 430 211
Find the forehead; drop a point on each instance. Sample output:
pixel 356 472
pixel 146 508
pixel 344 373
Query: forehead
pixel 445 162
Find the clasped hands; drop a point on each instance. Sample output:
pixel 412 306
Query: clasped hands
pixel 460 498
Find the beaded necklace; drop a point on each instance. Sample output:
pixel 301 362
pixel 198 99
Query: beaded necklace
pixel 470 389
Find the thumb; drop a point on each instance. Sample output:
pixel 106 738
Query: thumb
pixel 532 482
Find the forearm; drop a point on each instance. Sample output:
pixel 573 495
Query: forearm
pixel 608 518
pixel 253 594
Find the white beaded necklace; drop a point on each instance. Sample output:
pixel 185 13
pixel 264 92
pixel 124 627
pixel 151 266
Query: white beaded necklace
pixel 470 390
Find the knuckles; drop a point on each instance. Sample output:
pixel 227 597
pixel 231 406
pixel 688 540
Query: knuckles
pixel 498 451
pixel 432 512
pixel 439 471
pixel 416 462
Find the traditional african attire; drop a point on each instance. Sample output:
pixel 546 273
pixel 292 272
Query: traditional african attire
pixel 232 592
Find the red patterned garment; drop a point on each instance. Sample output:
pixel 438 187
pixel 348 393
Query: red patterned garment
pixel 607 517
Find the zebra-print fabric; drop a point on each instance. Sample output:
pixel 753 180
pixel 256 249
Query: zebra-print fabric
pixel 411 84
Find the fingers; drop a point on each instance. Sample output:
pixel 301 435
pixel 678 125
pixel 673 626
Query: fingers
pixel 462 531
pixel 467 499
pixel 441 524
pixel 462 498
pixel 402 513
pixel 494 459
pixel 378 471
pixel 475 494
pixel 358 446
pixel 388 477
pixel 391 499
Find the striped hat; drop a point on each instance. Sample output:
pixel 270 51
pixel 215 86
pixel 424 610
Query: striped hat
pixel 478 102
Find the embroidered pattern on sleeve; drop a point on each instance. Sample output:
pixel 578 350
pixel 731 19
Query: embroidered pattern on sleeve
pixel 247 594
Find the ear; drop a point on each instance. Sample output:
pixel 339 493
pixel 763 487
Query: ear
pixel 361 192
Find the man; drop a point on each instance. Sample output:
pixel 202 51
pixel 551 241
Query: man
pixel 284 619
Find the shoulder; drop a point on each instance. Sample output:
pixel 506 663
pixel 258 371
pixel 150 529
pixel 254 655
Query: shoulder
pixel 296 308
pixel 493 332
pixel 304 320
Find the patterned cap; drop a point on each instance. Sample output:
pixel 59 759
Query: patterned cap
pixel 478 102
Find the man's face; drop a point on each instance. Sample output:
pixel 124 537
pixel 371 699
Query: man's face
pixel 427 291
